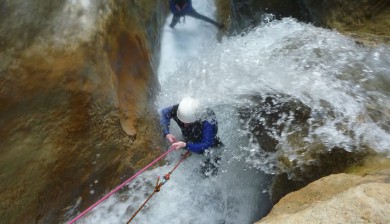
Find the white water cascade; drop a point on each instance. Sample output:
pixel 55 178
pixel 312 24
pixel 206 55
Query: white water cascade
pixel 282 57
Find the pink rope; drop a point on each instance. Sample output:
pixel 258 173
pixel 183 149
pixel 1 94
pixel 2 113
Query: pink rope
pixel 120 186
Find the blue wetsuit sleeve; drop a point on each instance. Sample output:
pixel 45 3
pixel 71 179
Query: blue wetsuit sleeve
pixel 189 4
pixel 188 7
pixel 208 136
pixel 165 119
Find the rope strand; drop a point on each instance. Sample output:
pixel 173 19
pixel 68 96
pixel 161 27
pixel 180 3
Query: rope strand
pixel 120 186
pixel 159 185
pixel 156 189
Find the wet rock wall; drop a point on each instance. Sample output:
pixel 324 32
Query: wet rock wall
pixel 278 125
pixel 367 21
pixel 360 196
pixel 76 84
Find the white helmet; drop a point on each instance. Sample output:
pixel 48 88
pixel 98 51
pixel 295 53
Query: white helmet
pixel 188 110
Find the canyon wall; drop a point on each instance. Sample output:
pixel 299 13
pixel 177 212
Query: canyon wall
pixel 76 91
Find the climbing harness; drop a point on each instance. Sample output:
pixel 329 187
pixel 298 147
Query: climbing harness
pixel 160 184
pixel 120 186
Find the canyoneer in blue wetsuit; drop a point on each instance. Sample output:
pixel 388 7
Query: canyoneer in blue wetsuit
pixel 181 8
pixel 199 129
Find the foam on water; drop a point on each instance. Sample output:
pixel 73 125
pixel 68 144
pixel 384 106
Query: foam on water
pixel 311 64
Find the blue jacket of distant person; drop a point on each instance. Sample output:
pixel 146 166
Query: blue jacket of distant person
pixel 185 5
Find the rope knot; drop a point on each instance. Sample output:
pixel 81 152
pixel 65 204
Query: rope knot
pixel 186 155
pixel 158 185
pixel 167 176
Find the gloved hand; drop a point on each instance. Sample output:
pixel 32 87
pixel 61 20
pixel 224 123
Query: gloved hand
pixel 179 145
pixel 171 138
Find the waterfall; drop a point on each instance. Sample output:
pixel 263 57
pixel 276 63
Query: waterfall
pixel 312 64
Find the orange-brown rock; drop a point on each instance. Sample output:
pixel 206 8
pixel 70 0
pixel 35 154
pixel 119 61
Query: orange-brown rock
pixel 75 82
pixel 360 197
pixel 366 21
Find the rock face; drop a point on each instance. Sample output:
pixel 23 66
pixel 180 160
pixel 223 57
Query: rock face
pixel 367 21
pixel 244 14
pixel 278 125
pixel 76 80
pixel 363 197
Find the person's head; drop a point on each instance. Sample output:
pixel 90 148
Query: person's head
pixel 189 109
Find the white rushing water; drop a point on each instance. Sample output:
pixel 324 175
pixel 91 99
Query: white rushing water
pixel 282 57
